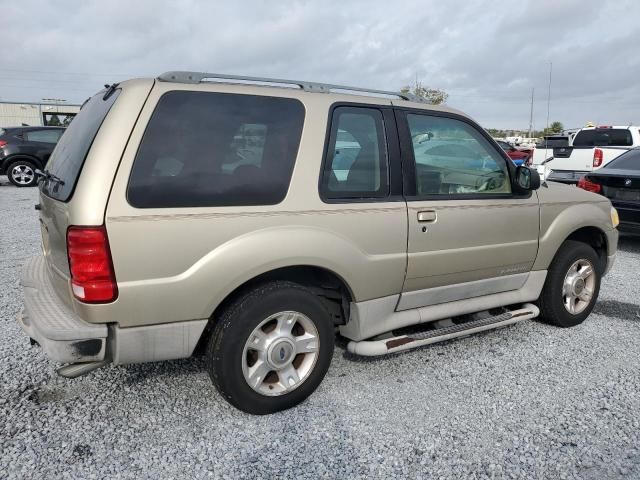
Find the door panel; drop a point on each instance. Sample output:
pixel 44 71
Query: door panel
pixel 469 240
pixel 467 231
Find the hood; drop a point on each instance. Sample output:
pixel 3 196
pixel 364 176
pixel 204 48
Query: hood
pixel 560 193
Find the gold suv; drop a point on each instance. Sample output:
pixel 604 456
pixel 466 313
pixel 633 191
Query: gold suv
pixel 249 218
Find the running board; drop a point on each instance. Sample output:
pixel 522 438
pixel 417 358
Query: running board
pixel 372 348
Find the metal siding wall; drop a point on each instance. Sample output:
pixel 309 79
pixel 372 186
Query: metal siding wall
pixel 15 114
pixel 12 115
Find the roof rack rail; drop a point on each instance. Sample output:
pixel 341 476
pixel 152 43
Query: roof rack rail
pixel 199 77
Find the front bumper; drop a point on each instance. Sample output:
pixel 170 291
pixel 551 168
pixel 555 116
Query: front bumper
pixel 49 321
pixel 565 176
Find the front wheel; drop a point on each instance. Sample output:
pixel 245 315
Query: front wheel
pixel 271 348
pixel 572 285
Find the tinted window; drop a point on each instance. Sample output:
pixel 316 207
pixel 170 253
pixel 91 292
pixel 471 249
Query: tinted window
pixel 68 157
pixel 553 142
pixel 216 149
pixel 603 137
pixel 452 157
pixel 627 161
pixel 356 165
pixel 45 136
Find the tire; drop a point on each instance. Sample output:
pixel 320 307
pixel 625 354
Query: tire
pixel 232 361
pixel 22 173
pixel 559 293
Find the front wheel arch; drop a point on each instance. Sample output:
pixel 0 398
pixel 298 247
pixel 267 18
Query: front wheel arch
pixel 596 239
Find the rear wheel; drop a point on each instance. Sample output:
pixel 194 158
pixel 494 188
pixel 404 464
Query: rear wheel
pixel 271 348
pixel 572 285
pixel 22 173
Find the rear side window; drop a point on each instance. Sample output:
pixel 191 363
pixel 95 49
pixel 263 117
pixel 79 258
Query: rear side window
pixel 44 136
pixel 68 157
pixel 357 163
pixel 603 137
pixel 216 149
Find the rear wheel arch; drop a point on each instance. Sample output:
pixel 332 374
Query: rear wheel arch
pixel 328 285
pixel 21 156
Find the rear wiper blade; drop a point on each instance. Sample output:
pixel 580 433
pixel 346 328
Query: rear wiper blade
pixel 47 175
pixel 110 89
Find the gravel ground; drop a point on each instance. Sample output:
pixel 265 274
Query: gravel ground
pixel 531 401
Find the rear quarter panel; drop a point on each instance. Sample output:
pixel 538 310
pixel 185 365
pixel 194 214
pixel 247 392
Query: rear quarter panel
pixel 88 203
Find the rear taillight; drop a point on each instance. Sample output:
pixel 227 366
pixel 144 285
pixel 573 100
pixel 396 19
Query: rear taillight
pixel 2 143
pixel 597 157
pixel 92 277
pixel 589 186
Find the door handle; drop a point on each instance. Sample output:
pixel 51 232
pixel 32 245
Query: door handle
pixel 427 216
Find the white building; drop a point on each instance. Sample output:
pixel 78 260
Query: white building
pixel 15 114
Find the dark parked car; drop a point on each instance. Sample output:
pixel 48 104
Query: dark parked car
pixel 619 181
pixel 517 156
pixel 25 149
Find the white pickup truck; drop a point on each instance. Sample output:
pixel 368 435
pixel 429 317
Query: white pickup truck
pixel 591 148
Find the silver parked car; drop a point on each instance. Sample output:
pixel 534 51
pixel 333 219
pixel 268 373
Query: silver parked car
pixel 248 220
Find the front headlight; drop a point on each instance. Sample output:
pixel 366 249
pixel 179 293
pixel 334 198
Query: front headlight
pixel 615 219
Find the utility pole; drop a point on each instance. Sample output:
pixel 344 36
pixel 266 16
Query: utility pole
pixel 549 94
pixel 531 114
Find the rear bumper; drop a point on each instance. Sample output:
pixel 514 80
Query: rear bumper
pixel 67 338
pixel 565 176
pixel 45 318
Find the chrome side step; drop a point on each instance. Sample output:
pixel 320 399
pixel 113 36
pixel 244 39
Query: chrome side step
pixel 74 370
pixel 372 348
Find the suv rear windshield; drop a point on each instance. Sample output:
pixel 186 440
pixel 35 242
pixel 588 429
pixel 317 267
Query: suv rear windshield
pixel 68 157
pixel 603 137
pixel 204 149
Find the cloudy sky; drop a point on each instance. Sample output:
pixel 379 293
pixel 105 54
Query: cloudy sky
pixel 487 55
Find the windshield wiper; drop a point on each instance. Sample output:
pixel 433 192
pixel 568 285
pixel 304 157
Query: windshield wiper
pixel 47 175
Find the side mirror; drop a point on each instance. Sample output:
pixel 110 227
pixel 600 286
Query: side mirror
pixel 527 178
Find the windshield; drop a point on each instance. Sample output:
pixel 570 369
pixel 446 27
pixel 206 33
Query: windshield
pixel 68 157
pixel 627 161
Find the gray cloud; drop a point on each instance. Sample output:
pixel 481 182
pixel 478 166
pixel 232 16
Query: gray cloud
pixel 487 55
